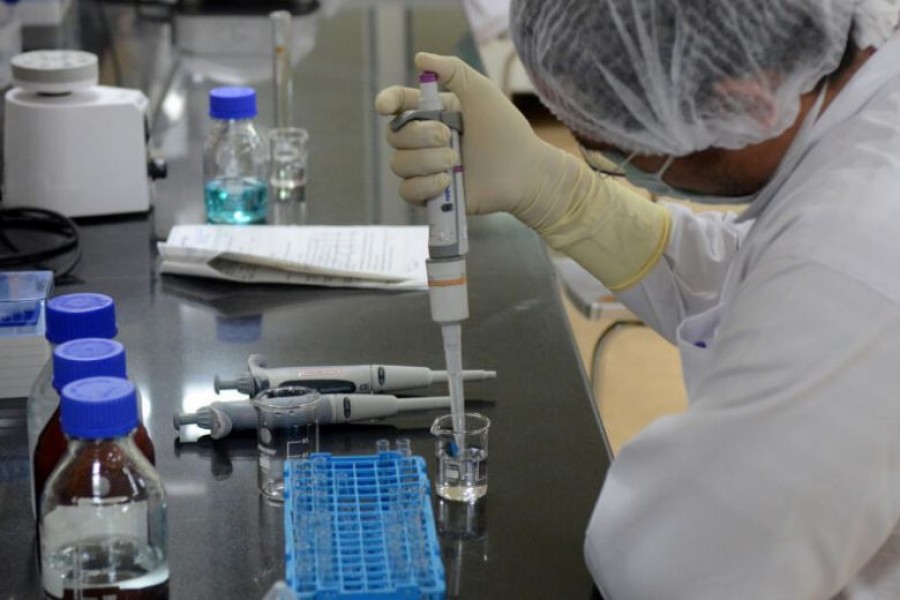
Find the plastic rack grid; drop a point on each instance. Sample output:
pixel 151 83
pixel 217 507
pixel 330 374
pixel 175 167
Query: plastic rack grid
pixel 361 527
pixel 22 297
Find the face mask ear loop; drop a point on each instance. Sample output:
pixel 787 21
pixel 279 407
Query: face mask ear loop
pixel 627 161
pixel 665 167
pixel 586 155
pixel 820 101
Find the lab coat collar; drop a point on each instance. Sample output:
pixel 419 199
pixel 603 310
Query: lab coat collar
pixel 881 68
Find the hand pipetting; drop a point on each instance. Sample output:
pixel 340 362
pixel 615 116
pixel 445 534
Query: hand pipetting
pixel 448 244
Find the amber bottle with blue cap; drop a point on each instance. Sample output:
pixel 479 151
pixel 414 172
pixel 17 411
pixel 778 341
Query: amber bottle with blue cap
pixel 72 361
pixel 67 317
pixel 234 160
pixel 103 516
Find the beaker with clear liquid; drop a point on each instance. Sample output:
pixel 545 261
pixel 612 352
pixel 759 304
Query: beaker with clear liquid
pixel 462 471
pixel 287 164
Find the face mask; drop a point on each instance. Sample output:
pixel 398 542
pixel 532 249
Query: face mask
pixel 616 164
pixel 653 182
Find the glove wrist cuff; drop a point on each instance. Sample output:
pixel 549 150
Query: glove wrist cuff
pixel 614 232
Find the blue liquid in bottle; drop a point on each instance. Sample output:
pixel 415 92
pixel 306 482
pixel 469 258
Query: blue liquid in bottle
pixel 236 200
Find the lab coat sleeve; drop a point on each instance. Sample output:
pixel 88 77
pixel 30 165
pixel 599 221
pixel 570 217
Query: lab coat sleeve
pixel 782 479
pixel 689 276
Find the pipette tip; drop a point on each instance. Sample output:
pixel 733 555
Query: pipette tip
pixel 179 419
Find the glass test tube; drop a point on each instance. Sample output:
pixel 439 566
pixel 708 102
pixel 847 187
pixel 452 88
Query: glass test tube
pixel 304 554
pixel 404 446
pixel 281 67
pixel 397 555
pixel 417 540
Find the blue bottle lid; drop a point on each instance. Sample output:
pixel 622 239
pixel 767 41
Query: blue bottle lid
pixel 74 316
pixel 87 357
pixel 232 103
pixel 98 408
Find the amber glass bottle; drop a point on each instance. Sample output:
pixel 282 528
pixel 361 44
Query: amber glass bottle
pixel 74 360
pixel 66 317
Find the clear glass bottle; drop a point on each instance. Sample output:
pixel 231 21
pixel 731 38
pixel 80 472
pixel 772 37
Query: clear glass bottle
pixel 67 317
pixel 103 517
pixel 234 160
pixel 74 360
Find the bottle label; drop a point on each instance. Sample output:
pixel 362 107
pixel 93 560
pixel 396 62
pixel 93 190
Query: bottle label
pixel 87 543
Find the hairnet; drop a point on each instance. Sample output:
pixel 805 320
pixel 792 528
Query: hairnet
pixel 679 76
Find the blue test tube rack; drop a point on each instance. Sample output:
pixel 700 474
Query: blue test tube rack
pixel 361 527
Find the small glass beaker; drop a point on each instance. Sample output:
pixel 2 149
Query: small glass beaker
pixel 288 427
pixel 287 164
pixel 462 458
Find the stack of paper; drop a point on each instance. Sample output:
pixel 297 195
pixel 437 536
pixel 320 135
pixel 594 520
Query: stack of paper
pixel 346 256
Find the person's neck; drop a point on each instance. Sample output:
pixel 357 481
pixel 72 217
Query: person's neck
pixel 836 84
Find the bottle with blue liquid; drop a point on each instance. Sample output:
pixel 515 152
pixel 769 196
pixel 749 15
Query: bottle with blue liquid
pixel 234 160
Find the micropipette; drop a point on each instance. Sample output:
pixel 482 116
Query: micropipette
pixel 448 243
pixel 339 379
pixel 221 418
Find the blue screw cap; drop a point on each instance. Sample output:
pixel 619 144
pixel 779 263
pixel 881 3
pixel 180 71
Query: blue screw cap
pixel 98 408
pixel 87 357
pixel 232 103
pixel 75 316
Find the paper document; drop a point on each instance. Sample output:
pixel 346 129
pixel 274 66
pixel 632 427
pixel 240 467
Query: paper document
pixel 342 256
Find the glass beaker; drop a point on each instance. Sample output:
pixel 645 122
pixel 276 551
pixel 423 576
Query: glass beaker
pixel 288 427
pixel 287 164
pixel 462 458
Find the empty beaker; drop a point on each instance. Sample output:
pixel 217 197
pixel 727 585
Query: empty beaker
pixel 288 428
pixel 461 457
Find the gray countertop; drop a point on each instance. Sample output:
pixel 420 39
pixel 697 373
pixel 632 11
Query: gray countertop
pixel 548 454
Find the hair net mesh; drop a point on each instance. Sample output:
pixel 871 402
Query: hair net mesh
pixel 679 76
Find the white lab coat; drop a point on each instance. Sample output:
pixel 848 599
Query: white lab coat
pixel 782 479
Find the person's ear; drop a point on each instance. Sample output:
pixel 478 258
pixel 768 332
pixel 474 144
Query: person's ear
pixel 754 95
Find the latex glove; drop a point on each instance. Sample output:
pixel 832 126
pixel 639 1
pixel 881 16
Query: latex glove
pixel 611 230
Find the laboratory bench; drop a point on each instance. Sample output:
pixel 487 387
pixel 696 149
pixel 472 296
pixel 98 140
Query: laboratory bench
pixel 548 452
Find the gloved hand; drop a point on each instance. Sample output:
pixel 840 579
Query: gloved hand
pixel 505 161
pixel 611 230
